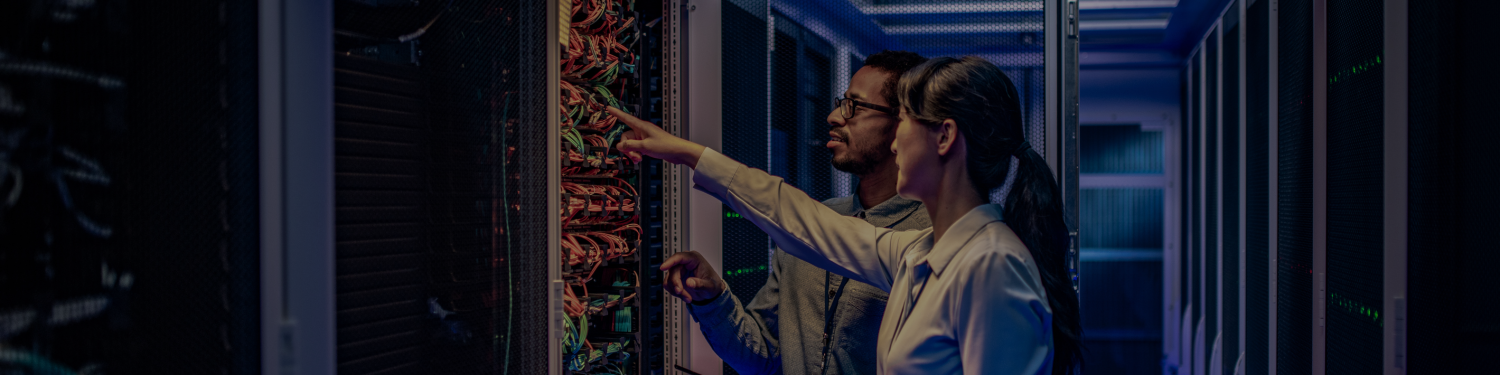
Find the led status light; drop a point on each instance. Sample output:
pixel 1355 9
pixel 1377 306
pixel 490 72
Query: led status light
pixel 743 271
pixel 1344 74
pixel 1353 307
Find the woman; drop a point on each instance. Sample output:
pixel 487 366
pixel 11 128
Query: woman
pixel 973 294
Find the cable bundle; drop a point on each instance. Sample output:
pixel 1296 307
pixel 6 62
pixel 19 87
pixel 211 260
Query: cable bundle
pixel 614 246
pixel 589 204
pixel 598 53
pixel 593 158
pixel 599 215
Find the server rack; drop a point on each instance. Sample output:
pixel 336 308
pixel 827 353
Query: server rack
pixel 1294 278
pixel 1257 184
pixel 1232 194
pixel 438 133
pixel 128 222
pixel 1232 208
pixel 461 131
pixel 1359 156
pixel 609 58
pixel 1448 168
pixel 1355 88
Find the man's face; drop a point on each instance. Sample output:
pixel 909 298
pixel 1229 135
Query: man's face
pixel 862 142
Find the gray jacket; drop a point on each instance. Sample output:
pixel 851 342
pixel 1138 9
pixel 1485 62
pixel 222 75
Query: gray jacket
pixel 754 339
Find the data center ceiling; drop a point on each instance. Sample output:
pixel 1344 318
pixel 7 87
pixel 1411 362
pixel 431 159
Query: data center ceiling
pixel 1113 32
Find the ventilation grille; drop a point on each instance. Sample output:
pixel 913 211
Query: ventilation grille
pixel 1356 251
pixel 1294 279
pixel 1231 201
pixel 1257 194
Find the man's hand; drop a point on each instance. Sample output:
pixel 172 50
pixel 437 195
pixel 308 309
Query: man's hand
pixel 690 278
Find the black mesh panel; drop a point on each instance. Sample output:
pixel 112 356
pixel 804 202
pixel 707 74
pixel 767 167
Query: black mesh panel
pixel 1449 264
pixel 1126 339
pixel 1356 135
pixel 1121 219
pixel 128 136
pixel 1257 180
pixel 1118 149
pixel 1294 279
pixel 1231 201
pixel 439 145
pixel 744 133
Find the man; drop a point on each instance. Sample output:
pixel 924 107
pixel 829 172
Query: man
pixel 806 320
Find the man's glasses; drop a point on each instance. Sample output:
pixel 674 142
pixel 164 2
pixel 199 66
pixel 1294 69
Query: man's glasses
pixel 846 107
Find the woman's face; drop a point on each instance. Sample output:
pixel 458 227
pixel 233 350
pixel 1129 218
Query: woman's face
pixel 916 155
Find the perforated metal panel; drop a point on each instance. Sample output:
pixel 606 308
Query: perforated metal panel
pixel 1355 185
pixel 1451 166
pixel 1294 279
pixel 1434 237
pixel 1231 194
pixel 1257 188
pixel 1355 194
pixel 803 64
pixel 1118 149
pixel 746 247
pixel 1121 219
pixel 1125 340
pixel 439 147
pixel 128 232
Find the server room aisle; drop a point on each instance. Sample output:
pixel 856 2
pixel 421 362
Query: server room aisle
pixel 1334 218
pixel 432 187
pixel 1127 116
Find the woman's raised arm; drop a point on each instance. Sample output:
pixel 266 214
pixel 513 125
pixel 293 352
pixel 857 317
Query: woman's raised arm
pixel 802 226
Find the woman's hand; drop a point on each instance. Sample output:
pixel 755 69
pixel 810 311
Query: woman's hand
pixel 645 138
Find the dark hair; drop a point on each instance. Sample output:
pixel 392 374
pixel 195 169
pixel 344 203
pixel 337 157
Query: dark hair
pixel 985 105
pixel 895 63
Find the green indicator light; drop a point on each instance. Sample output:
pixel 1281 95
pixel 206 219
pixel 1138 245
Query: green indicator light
pixel 744 270
pixel 1354 307
pixel 1339 75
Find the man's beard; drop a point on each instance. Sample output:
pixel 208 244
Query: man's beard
pixel 861 161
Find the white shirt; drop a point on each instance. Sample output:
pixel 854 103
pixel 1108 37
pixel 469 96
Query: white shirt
pixel 972 303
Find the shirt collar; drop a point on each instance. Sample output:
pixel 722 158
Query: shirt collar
pixel 959 235
pixel 886 213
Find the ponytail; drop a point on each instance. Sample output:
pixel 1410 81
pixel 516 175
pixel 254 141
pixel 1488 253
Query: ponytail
pixel 985 104
pixel 1034 212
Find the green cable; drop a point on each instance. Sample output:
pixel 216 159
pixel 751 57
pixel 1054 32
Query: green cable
pixel 571 135
pixel 609 98
pixel 505 200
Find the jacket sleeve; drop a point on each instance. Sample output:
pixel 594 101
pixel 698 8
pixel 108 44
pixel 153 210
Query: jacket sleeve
pixel 804 227
pixel 745 336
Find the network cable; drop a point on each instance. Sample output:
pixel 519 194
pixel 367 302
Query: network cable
pixel 600 216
